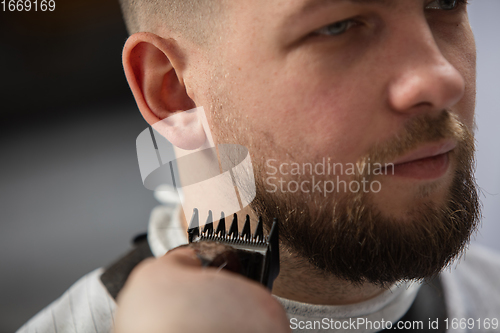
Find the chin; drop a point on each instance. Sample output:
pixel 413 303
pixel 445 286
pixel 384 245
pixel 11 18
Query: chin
pixel 399 196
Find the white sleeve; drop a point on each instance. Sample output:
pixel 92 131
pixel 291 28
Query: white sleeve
pixel 86 307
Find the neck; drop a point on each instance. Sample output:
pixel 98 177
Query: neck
pixel 301 281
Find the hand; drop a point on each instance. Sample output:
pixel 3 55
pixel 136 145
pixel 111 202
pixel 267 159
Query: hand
pixel 175 294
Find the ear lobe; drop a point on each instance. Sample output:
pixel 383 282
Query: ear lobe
pixel 184 129
pixel 154 66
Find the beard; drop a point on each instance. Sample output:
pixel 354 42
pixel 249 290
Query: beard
pixel 348 236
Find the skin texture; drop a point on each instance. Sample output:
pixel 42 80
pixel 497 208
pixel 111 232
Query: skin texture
pixel 275 85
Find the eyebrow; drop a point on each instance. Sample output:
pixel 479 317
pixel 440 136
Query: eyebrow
pixel 310 7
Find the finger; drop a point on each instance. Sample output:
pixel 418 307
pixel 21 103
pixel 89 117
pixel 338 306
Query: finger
pixel 182 256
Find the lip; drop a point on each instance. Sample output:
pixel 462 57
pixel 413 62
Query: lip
pixel 428 150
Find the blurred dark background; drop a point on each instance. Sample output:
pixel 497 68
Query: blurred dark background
pixel 71 196
pixel 67 57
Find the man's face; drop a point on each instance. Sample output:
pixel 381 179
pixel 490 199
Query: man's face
pixel 346 82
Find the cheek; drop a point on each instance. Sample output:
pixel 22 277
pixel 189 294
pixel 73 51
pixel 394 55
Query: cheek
pixel 459 48
pixel 465 62
pixel 311 118
pixel 470 96
pixel 306 107
pixel 466 107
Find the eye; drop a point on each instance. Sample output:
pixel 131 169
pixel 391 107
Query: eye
pixel 336 28
pixel 446 4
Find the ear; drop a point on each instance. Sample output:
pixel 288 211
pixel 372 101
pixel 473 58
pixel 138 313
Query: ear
pixel 154 68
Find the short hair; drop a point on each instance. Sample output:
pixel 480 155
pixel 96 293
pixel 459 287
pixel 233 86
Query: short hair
pixel 194 19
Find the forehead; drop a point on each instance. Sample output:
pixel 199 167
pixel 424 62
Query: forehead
pixel 311 5
pixel 294 7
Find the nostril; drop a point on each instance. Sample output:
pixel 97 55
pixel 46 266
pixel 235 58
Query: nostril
pixel 423 105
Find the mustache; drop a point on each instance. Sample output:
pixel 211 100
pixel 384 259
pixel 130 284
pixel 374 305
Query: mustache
pixel 417 131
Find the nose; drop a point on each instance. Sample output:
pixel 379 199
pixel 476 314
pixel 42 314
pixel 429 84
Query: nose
pixel 423 78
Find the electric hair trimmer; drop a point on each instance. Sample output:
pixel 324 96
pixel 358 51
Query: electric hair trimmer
pixel 252 255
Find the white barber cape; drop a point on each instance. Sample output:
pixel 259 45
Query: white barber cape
pixel 472 290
